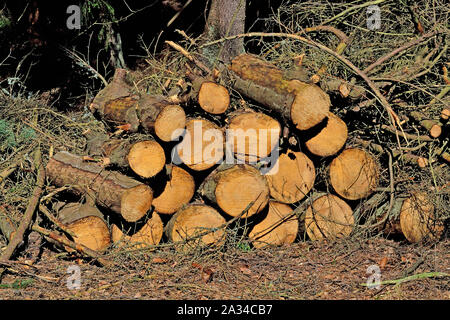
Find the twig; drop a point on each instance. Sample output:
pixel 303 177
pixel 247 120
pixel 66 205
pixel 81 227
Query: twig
pixel 185 53
pixel 410 278
pixel 406 135
pixel 55 221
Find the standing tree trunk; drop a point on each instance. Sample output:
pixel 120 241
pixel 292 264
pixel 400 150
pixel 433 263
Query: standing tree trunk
pixel 225 18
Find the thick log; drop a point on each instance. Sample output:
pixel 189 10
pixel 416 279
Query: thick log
pixel 178 191
pixel 238 189
pixel 354 174
pixel 330 139
pixel 279 227
pixel 304 104
pixel 196 225
pixel 329 217
pixel 149 234
pixel 202 146
pixel 92 232
pixel 211 96
pixel 117 192
pixel 291 178
pixel 253 134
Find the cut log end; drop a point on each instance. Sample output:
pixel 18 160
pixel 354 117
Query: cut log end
pixel 239 187
pixel 291 178
pixel 279 227
pixel 254 135
pixel 92 232
pixel 213 98
pixel 435 131
pixel 354 174
pixel 179 190
pixel 417 218
pixel 330 139
pixel 329 217
pixel 311 105
pixel 170 122
pixel 136 202
pixel 146 158
pixel 195 226
pixel 149 235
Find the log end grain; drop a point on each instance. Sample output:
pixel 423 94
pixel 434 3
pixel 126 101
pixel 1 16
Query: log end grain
pixel 136 202
pixel 170 123
pixel 92 232
pixel 213 98
pixel 146 158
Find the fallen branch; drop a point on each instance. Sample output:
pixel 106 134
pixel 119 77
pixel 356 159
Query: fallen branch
pixel 419 276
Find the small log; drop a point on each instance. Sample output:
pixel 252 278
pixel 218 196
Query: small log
pixel 119 193
pixel 253 134
pixel 178 191
pixel 445 114
pixel 279 227
pixel 329 217
pixel 91 232
pixel 196 225
pixel 149 234
pixel 304 104
pixel 238 189
pixel 202 145
pixel 292 177
pixel 354 174
pixel 211 96
pixel 433 127
pixel 330 139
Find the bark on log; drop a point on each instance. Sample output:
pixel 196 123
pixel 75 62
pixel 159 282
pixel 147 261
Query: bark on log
pixel 329 217
pixel 235 187
pixel 330 139
pixel 354 174
pixel 196 225
pixel 149 234
pixel 304 104
pixel 253 135
pixel 202 145
pixel 178 191
pixel 279 227
pixel 291 178
pixel 433 126
pixel 121 194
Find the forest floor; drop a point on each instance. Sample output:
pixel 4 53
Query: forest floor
pixel 305 270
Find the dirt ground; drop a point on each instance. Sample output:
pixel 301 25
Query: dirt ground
pixel 306 270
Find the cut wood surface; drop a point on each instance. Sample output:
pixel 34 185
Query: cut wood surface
pixel 117 192
pixel 304 104
pixel 92 232
pixel 433 126
pixel 146 158
pixel 195 225
pixel 418 220
pixel 328 217
pixel 178 191
pixel 354 174
pixel 292 177
pixel 149 234
pixel 253 134
pixel 330 139
pixel 279 227
pixel 213 97
pixel 202 145
pixel 238 189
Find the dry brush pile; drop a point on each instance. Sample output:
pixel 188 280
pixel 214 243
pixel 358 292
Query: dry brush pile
pixel 331 131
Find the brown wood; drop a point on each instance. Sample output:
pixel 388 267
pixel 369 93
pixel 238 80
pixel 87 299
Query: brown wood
pixel 202 145
pixel 433 126
pixel 121 194
pixel 178 191
pixel 194 226
pixel 304 104
pixel 328 217
pixel 238 189
pixel 253 134
pixel 354 174
pixel 146 158
pixel 279 227
pixel 330 139
pixel 92 232
pixel 212 97
pixel 292 177
pixel 149 234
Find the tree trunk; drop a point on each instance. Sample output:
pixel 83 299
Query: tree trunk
pixel 305 104
pixel 225 18
pixel 121 194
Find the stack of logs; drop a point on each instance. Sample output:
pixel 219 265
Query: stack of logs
pixel 136 182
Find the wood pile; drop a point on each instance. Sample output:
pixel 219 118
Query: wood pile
pixel 183 168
